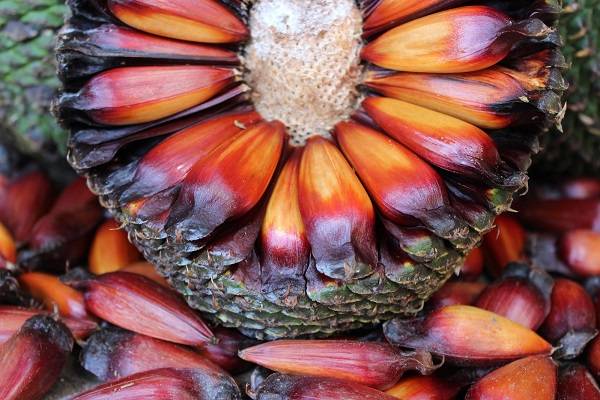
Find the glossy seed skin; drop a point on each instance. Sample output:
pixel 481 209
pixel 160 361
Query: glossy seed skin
pixel 33 358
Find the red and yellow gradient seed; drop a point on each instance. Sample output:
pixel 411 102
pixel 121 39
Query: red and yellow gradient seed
pixel 392 12
pixel 229 182
pixel 403 186
pixel 132 42
pixel 444 141
pixel 195 20
pixel 283 235
pixel 169 162
pixel 462 39
pixel 476 97
pixel 336 210
pixel 134 95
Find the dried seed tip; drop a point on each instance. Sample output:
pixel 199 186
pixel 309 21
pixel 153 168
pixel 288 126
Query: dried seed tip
pixel 279 386
pixel 504 244
pixel 148 270
pixel 406 190
pixel 473 265
pixel 467 335
pixel 455 293
pixel 134 95
pixel 195 20
pixel 529 378
pixel 560 215
pixel 111 249
pixel 164 383
pixel 372 364
pixel 444 141
pixel 245 164
pixel 33 358
pixel 425 387
pixel 576 383
pixel 26 200
pixel 336 211
pixel 123 43
pixel 384 14
pixel 54 294
pixel 137 303
pixel 225 352
pixel 13 318
pixel 571 323
pixel 462 39
pixel 580 249
pixel 8 249
pixel 113 354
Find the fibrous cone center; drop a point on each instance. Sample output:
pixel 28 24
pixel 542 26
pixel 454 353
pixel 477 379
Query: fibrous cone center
pixel 303 63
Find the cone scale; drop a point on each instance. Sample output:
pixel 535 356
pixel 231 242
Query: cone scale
pixel 293 191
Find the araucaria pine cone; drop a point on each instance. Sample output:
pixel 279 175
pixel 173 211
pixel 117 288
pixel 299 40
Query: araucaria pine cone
pixel 302 167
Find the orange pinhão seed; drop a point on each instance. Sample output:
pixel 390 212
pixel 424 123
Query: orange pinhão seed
pixel 504 244
pixel 111 249
pixel 424 387
pixel 439 42
pixel 8 248
pixel 139 94
pixel 388 13
pixel 467 335
pixel 54 294
pixel 205 21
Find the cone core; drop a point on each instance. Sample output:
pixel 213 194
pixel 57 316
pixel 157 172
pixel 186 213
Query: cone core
pixel 303 63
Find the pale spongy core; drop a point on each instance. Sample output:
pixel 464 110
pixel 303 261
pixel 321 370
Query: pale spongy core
pixel 303 63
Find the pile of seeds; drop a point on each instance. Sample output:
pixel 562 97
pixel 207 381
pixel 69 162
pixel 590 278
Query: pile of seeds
pixel 520 320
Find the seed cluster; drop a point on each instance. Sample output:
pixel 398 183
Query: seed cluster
pixel 520 321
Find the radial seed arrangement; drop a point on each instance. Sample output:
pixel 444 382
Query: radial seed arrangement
pixel 304 167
